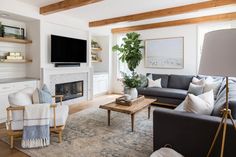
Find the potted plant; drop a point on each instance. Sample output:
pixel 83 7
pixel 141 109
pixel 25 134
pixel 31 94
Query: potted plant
pixel 130 53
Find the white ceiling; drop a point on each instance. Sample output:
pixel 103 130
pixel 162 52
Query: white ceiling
pixel 40 3
pixel 114 8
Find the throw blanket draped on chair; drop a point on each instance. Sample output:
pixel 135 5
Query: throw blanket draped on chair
pixel 36 132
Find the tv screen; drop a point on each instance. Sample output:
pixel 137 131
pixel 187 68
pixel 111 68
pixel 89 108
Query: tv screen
pixel 68 50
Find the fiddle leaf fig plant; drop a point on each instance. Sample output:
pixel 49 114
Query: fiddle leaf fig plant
pixel 130 50
pixel 130 53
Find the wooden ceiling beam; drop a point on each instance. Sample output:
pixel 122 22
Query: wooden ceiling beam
pixel 219 17
pixel 163 12
pixel 65 5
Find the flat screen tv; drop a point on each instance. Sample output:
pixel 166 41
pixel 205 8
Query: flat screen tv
pixel 68 50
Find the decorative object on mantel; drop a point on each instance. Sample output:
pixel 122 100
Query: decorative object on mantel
pixel 130 53
pixel 13 32
pixel 126 102
pixel 218 59
pixel 159 53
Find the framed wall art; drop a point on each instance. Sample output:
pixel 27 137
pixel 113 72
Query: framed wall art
pixel 164 53
pixel 13 32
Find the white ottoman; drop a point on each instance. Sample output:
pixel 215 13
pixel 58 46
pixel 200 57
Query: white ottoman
pixel 166 152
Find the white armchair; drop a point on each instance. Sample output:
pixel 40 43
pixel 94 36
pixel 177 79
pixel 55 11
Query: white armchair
pixel 14 124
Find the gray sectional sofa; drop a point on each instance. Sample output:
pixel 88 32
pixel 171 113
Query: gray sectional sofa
pixel 188 133
pixel 174 88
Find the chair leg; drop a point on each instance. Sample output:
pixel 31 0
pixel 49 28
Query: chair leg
pixel 11 141
pixel 60 136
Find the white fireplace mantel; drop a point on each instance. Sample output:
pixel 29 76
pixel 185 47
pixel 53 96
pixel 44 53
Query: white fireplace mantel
pixel 62 74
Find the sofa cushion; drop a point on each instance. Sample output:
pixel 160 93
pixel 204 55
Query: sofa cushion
pixel 163 92
pixel 221 99
pixel 179 81
pixel 195 89
pixel 164 79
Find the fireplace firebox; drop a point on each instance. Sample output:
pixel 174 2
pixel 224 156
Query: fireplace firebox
pixel 69 90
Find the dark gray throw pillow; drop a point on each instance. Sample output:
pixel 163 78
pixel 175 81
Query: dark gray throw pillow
pixel 195 89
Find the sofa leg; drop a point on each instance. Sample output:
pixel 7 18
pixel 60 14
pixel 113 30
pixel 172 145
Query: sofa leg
pixel 11 141
pixel 60 136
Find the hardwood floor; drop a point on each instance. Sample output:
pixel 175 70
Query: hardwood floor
pixel 5 150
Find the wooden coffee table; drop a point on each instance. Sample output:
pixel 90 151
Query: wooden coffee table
pixel 131 110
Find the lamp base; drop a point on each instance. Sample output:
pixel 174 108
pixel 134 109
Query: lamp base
pixel 226 114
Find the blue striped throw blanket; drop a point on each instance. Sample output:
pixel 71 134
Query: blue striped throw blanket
pixel 36 131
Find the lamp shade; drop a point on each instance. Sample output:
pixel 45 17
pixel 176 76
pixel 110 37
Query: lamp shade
pixel 219 53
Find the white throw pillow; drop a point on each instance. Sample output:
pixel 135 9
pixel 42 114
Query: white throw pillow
pixel 201 104
pixel 156 83
pixel 197 81
pixel 21 98
pixel 212 84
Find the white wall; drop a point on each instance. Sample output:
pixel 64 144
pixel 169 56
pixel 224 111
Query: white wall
pixel 189 32
pixel 103 66
pixel 34 49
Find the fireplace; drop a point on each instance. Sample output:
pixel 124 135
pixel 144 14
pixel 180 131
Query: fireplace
pixel 69 90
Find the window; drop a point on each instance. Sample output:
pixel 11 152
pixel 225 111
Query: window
pixel 122 67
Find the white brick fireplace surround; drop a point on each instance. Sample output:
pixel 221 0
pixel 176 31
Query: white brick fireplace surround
pixel 54 76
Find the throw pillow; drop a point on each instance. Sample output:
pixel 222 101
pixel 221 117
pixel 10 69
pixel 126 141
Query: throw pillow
pixel 215 86
pixel 42 96
pixel 195 89
pixel 36 96
pixel 202 104
pixel 21 98
pixel 156 83
pixel 197 81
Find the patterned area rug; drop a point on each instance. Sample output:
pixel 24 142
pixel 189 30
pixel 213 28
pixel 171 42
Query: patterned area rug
pixel 87 135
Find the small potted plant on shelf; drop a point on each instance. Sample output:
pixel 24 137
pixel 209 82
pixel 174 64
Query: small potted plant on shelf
pixel 130 53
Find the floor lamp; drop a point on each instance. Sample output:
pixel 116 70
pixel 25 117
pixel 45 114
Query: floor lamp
pixel 219 59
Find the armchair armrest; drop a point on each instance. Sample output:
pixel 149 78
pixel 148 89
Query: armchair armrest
pixel 190 134
pixel 58 96
pixel 10 109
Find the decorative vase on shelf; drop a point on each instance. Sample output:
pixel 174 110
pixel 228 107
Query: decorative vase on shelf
pixel 133 93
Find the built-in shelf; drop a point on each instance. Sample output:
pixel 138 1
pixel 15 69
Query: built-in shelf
pixel 16 61
pixel 94 61
pixel 96 49
pixel 12 40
